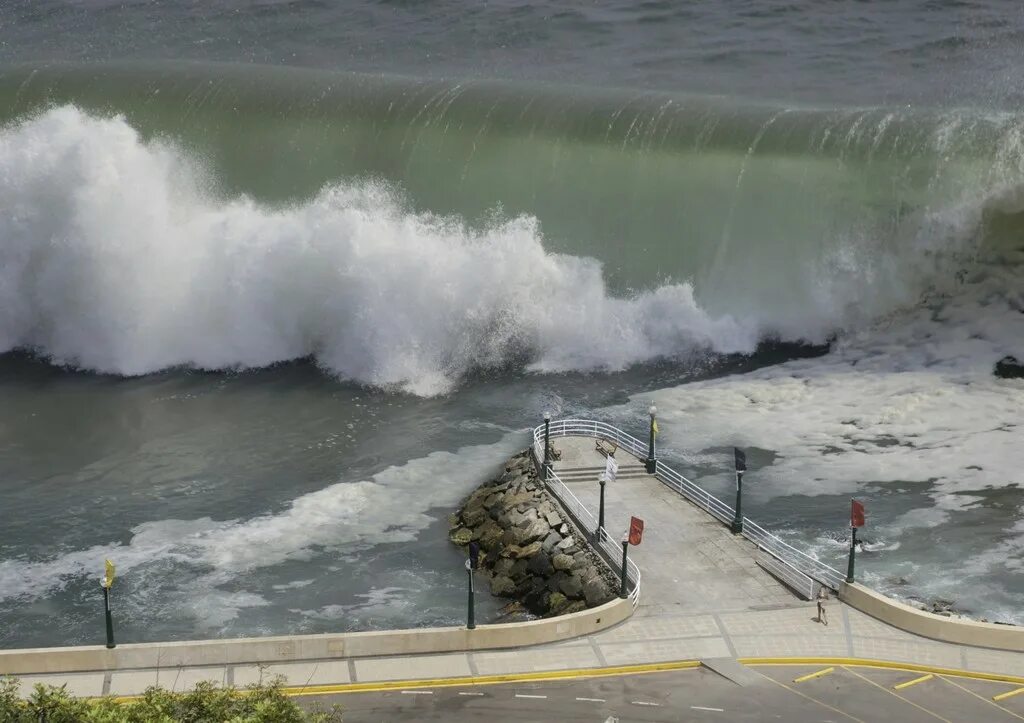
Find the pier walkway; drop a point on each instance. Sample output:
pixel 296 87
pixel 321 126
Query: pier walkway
pixel 703 598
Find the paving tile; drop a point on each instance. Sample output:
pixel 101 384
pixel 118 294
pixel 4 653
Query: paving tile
pixel 323 672
pixel 654 651
pixel 82 685
pixel 412 667
pixel 535 659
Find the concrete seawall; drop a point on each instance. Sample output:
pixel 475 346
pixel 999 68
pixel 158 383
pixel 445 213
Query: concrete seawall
pixel 307 647
pixel 929 625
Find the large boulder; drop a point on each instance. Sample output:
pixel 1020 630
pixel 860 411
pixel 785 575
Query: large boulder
pixel 461 536
pixel 516 552
pixel 557 602
pixel 553 518
pixel 537 530
pixel 473 516
pixel 502 586
pixel 1009 368
pixel 490 536
pixel 519 570
pixel 561 562
pixel 596 591
pixel 550 541
pixel 572 586
pixel 540 564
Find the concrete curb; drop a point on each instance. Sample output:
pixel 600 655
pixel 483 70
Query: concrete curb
pixel 311 647
pixel 929 625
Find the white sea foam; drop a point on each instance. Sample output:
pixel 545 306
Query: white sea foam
pixel 346 516
pixel 115 256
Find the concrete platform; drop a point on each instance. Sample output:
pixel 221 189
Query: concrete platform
pixel 689 561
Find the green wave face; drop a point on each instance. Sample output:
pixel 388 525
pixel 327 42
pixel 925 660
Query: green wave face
pixel 759 206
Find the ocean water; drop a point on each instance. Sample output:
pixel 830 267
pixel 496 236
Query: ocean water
pixel 280 282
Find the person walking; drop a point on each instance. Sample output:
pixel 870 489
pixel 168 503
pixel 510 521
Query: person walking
pixel 822 597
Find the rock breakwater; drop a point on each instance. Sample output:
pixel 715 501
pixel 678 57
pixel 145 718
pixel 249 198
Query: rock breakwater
pixel 529 549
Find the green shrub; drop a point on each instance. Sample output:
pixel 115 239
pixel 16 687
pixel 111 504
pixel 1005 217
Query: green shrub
pixel 206 703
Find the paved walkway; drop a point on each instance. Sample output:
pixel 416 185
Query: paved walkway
pixel 703 598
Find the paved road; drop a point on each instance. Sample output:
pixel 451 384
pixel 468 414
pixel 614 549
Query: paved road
pixel 698 694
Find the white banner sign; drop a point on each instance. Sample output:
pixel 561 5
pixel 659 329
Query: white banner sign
pixel 611 468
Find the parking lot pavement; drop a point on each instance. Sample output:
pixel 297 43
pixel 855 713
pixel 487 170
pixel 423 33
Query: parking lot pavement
pixel 843 694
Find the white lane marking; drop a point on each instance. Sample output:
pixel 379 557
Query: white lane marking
pixel 700 707
pixel 644 702
pixel 417 692
pixel 592 700
pixel 522 695
pixel 470 693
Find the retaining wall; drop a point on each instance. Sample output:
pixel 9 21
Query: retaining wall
pixel 309 647
pixel 929 625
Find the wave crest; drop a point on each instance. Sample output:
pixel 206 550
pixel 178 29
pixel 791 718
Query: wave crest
pixel 117 257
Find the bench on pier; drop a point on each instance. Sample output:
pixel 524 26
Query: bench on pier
pixel 607 449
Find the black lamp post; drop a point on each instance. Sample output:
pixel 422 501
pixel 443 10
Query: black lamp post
pixel 547 447
pixel 600 509
pixel 741 467
pixel 625 547
pixel 853 554
pixel 471 617
pixel 107 615
pixel 651 463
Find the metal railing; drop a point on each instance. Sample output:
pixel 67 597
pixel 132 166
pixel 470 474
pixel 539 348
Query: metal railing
pixel 585 522
pixel 800 561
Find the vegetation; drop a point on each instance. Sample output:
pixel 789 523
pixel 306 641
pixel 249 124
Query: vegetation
pixel 206 703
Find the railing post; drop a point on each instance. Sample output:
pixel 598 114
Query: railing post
pixel 625 547
pixel 547 436
pixel 853 554
pixel 651 464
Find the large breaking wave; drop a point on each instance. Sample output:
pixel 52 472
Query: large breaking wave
pixel 405 233
pixel 117 257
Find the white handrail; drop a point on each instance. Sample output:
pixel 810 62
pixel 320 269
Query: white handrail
pixel 807 564
pixel 585 519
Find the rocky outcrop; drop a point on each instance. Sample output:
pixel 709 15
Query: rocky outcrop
pixel 529 550
pixel 1009 368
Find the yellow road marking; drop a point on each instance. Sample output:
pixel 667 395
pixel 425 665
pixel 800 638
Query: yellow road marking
pixel 885 664
pixel 1008 694
pixel 813 700
pixel 637 669
pixel 894 695
pixel 811 676
pixel 476 680
pixel 915 681
pixel 986 700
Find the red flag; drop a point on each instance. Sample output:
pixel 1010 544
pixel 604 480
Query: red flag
pixel 636 530
pixel 856 513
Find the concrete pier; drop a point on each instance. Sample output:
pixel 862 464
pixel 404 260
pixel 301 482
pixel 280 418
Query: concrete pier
pixel 690 562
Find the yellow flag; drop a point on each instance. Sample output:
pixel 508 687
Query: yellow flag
pixel 108 577
pixel 654 427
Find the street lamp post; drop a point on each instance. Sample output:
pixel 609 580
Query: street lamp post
pixel 600 510
pixel 547 448
pixel 651 463
pixel 471 616
pixel 625 548
pixel 741 467
pixel 108 616
pixel 853 554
